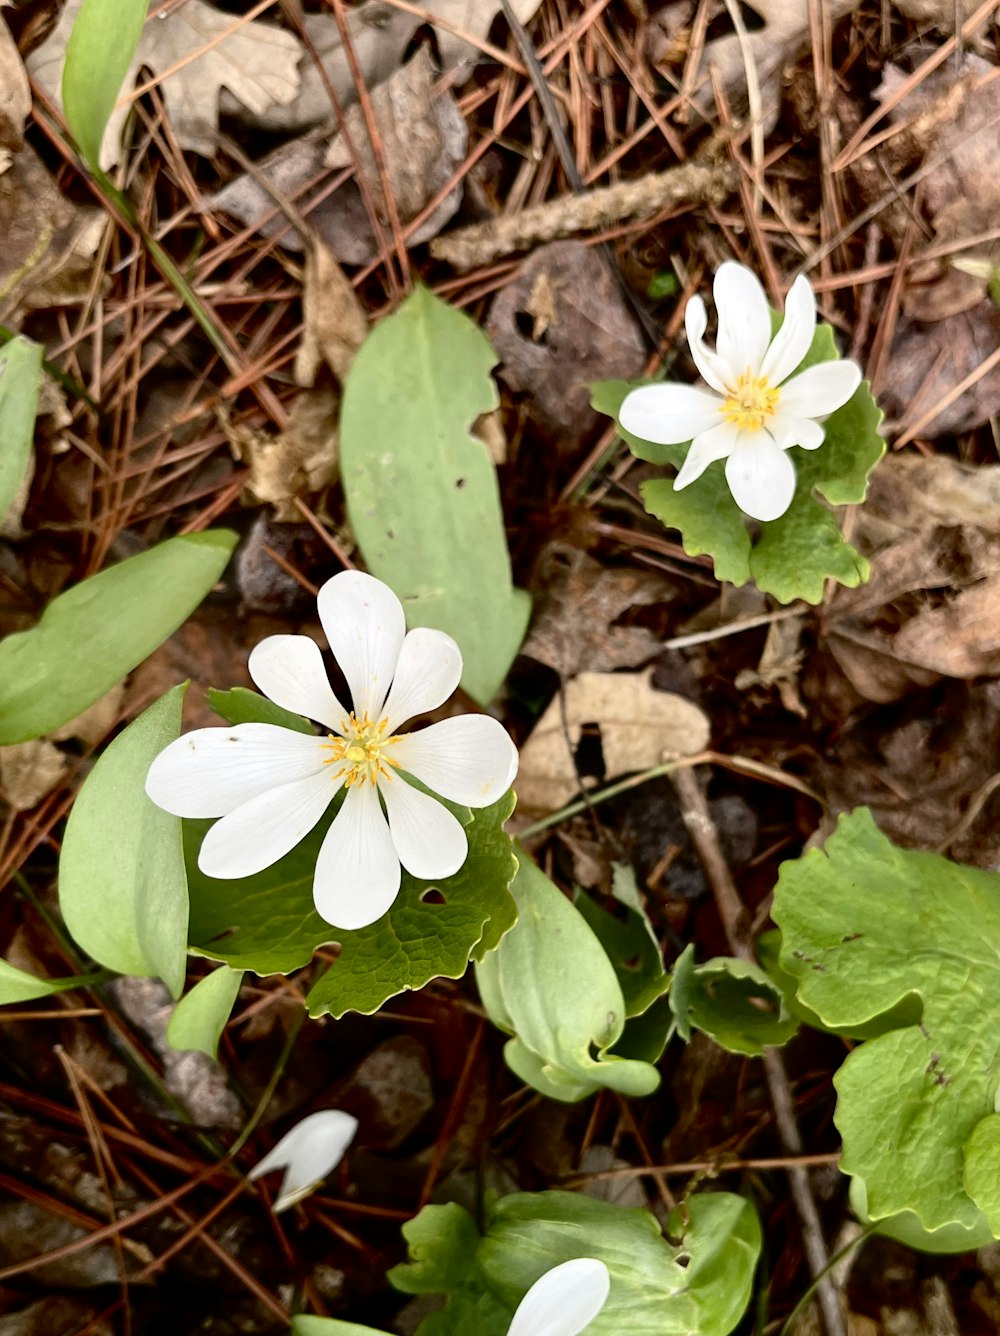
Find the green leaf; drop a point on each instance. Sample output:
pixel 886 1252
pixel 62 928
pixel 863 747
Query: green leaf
pixel 200 1016
pixel 709 520
pixel 733 1001
pixel 798 552
pixel 20 377
pixel 19 986
pixel 267 923
pixel 652 1290
pixel 98 55
pixel 421 491
pixel 97 631
pixel 552 986
pixel 906 1228
pixel 122 887
pixel 865 926
pixel 634 953
pixel 330 1326
pixel 240 705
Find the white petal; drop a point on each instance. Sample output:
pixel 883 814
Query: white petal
pixel 788 430
pixel 794 339
pixel 211 771
pixel 705 449
pixel 364 623
pixel 289 670
pixel 713 368
pixel 761 476
pixel 819 389
pixel 311 1150
pixel 469 760
pixel 357 872
pixel 263 830
pixel 430 842
pixel 428 671
pixel 669 414
pixel 563 1301
pixel 744 318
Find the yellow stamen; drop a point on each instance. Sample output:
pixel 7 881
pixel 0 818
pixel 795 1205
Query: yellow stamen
pixel 363 748
pixel 750 403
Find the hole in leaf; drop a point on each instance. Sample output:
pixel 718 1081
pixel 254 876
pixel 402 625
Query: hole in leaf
pixel 432 896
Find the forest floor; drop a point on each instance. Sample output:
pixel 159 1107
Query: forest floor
pixel 864 155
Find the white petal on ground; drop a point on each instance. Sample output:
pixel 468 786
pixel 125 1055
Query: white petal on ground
pixel 365 624
pixel 266 828
pixel 289 670
pixel 761 476
pixel 357 872
pixel 430 841
pixel 744 318
pixel 718 443
pixel 428 671
pixel 212 771
pixel 669 414
pixel 714 369
pixel 469 759
pixel 794 339
pixel 788 430
pixel 308 1152
pixel 820 389
pixel 564 1301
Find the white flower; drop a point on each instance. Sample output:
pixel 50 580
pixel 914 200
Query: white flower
pixel 270 785
pixel 311 1150
pixel 564 1301
pixel 754 412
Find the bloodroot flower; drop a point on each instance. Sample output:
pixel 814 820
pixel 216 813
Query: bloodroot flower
pixel 270 785
pixel 564 1301
pixel 308 1152
pixel 756 409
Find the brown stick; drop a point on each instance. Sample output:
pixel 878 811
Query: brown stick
pixel 705 838
pixel 689 184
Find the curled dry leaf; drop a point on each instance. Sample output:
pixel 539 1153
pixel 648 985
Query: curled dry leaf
pixel 560 324
pixel 15 95
pixel 639 728
pixel 575 629
pixel 257 62
pixel 302 458
pixel 333 318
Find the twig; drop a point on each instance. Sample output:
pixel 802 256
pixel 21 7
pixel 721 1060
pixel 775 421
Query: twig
pixel 691 184
pixel 705 838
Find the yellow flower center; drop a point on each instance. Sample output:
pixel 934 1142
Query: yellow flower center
pixel 750 403
pixel 363 747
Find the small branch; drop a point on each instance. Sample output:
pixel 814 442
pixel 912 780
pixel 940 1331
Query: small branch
pixel 689 184
pixel 705 838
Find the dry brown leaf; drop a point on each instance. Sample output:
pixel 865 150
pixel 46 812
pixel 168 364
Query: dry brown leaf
pixel 423 140
pixel 300 459
pixel 574 630
pixel 30 770
pixel 579 330
pixel 932 528
pixel 15 95
pixel 639 728
pixel 333 318
pixel 48 243
pixel 780 664
pixel 928 361
pixel 257 62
